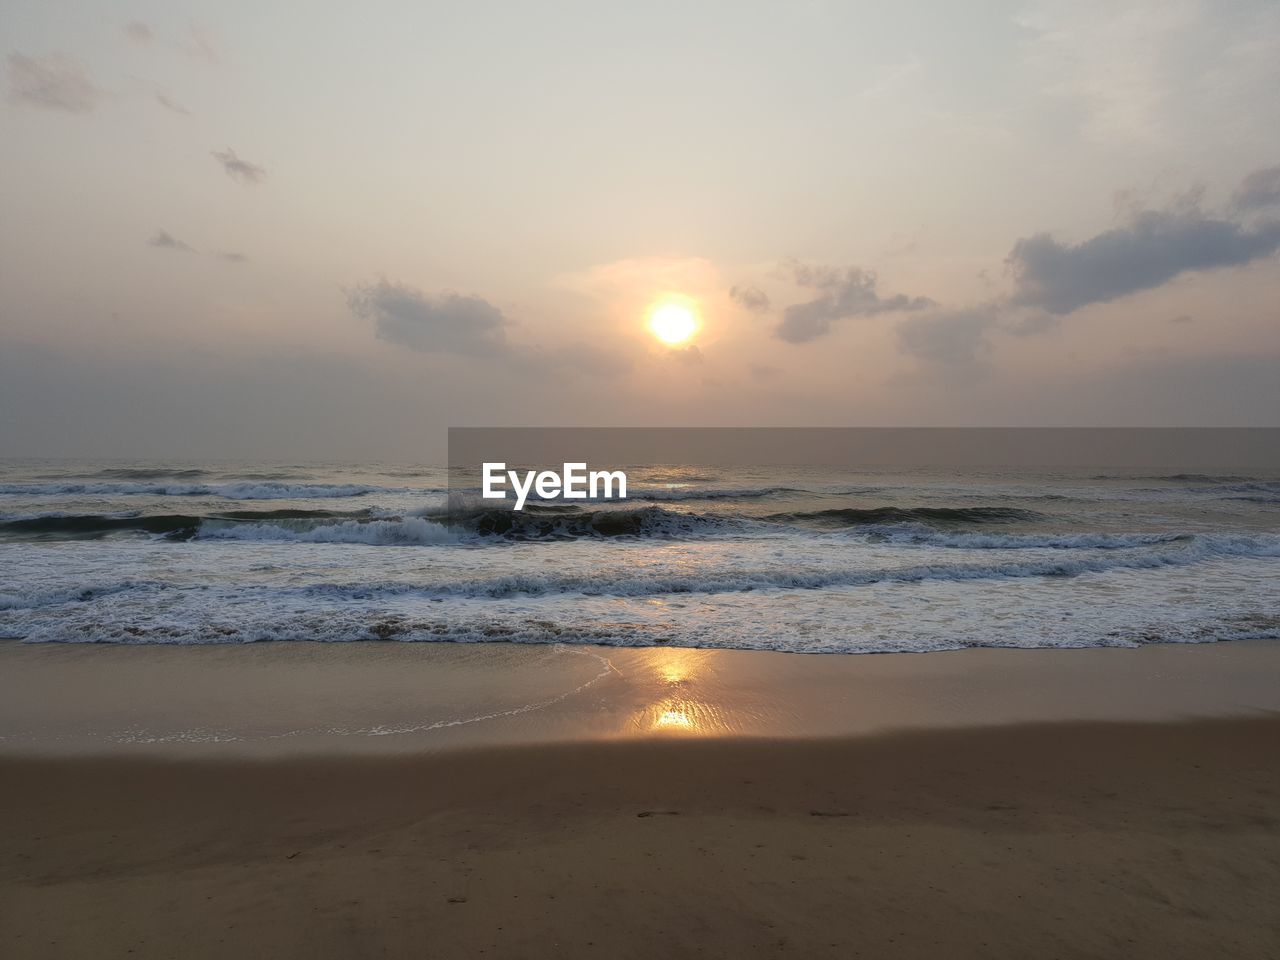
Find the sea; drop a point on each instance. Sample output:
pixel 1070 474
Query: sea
pixel 809 560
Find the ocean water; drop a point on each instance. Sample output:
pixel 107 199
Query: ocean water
pixel 806 560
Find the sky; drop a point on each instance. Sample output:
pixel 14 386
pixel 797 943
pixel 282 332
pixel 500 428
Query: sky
pixel 331 231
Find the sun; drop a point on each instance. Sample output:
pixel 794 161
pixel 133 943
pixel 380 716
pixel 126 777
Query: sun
pixel 673 323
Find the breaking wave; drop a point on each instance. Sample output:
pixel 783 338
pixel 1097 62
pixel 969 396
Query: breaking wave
pixel 240 490
pixel 881 516
pixel 409 531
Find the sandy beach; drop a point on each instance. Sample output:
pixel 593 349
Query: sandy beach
pixel 995 824
pixel 1070 840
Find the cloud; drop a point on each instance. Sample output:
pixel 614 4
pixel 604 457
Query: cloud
pixel 848 293
pixel 750 298
pixel 138 32
pixel 466 326
pixel 52 82
pixel 763 371
pixel 445 323
pixel 1153 248
pixel 1154 73
pixel 164 240
pixel 237 169
pixel 200 47
pixel 952 337
pixel 167 241
pixel 173 105
pixel 1259 189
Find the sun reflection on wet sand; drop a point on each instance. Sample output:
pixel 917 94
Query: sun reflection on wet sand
pixel 677 678
pixel 674 718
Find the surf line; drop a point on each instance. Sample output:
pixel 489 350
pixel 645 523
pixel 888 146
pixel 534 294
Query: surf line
pixel 574 482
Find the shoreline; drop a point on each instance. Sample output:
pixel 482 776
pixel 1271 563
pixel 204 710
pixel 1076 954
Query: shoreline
pixel 1156 840
pixel 306 699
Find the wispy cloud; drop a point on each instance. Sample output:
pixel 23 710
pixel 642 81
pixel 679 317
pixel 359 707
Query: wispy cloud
pixel 1258 190
pixel 170 104
pixel 237 169
pixel 842 293
pixel 750 298
pixel 51 82
pixel 138 32
pixel 164 240
pixel 1169 72
pixel 167 241
pixel 890 77
pixel 954 338
pixel 199 46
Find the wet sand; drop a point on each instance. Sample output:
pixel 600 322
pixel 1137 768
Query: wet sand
pixel 291 699
pixel 1060 840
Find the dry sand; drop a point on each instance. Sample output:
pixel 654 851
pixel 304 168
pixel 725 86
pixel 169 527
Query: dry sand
pixel 1046 840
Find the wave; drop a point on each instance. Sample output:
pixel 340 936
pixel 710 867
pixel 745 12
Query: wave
pixel 239 490
pixel 741 581
pixel 950 527
pixel 559 521
pixel 638 582
pixel 32 599
pixel 355 624
pixel 881 516
pixel 542 522
pixel 563 522
pixel 743 493
pixel 913 534
pixel 174 526
pixel 410 531
pixel 147 473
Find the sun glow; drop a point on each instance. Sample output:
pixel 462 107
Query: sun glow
pixel 673 323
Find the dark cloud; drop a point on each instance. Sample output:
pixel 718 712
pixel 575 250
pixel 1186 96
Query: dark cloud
pixel 167 241
pixel 751 298
pixel 762 371
pixel 842 293
pixel 1052 279
pixel 1182 318
pixel 173 105
pixel 51 82
pixel 951 337
pixel 1153 248
pixel 233 257
pixel 1259 189
pixel 446 323
pixel 237 169
pixel 138 32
